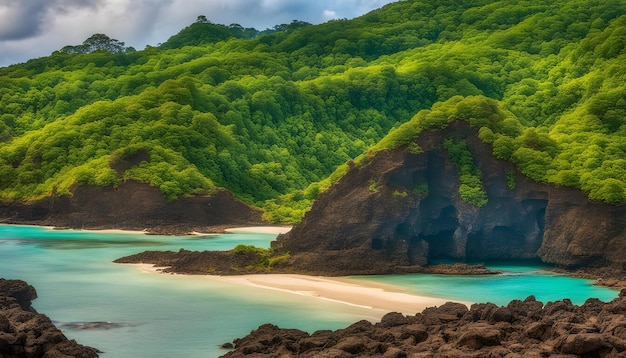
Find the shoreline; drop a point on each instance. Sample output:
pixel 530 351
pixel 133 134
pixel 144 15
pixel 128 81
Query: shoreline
pixel 276 230
pixel 377 299
pixel 106 231
pixel 270 229
pixel 235 230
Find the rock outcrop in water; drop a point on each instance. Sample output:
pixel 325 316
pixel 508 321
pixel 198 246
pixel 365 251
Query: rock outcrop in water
pixel 377 218
pixel 239 263
pixel 133 206
pixel 199 262
pixel 25 333
pixel 520 329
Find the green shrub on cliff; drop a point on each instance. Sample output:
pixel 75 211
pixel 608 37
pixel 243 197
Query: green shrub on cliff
pixel 511 182
pixel 242 249
pixel 266 259
pixel 471 188
pixel 481 112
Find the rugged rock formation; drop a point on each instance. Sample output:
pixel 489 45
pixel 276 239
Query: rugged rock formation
pixel 25 333
pixel 239 263
pixel 521 329
pixel 198 262
pixel 379 219
pixel 133 206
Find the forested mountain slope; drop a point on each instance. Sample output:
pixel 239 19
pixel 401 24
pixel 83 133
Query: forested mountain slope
pixel 270 117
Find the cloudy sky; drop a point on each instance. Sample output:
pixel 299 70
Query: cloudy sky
pixel 36 28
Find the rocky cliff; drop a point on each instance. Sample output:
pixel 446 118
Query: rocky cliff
pixel 134 206
pixel 402 209
pixel 26 333
pixel 521 329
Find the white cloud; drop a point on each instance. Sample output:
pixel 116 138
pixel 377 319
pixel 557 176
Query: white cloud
pixel 329 14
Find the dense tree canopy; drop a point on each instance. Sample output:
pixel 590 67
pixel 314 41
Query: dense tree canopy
pixel 98 42
pixel 273 115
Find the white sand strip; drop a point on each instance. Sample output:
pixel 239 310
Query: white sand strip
pixel 260 229
pixel 372 295
pixel 106 231
pixel 377 297
pixel 249 229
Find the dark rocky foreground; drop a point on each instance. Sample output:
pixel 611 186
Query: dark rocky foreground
pixel 521 329
pixel 26 333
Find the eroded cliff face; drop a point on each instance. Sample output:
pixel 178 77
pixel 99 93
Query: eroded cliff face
pixel 134 206
pixel 379 218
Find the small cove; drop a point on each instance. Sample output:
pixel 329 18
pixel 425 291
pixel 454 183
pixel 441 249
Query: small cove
pixel 190 316
pixel 517 281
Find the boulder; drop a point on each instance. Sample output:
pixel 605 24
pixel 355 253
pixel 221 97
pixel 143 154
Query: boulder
pixel 476 337
pixel 393 319
pixel 418 332
pixel 352 344
pixel 583 343
pixel 26 333
pixel 539 330
pixel 501 314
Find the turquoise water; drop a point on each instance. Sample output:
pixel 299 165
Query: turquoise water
pixel 518 282
pixel 190 316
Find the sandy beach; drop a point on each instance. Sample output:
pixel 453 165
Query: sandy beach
pixel 260 229
pixel 370 295
pixel 376 298
pixel 237 230
pixel 112 231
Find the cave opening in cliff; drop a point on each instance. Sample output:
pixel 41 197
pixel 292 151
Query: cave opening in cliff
pixel 440 245
pixel 541 219
pixel 439 223
pixel 517 234
pixel 501 242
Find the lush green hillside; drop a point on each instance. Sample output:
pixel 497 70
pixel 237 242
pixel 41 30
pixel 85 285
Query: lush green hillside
pixel 271 116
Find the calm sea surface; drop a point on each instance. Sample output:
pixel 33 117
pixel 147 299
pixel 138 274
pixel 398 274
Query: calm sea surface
pixel 190 316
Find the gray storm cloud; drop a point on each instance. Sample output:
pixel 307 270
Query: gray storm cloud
pixel 21 19
pixel 35 28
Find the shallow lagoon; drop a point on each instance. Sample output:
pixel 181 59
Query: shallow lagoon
pixel 517 282
pixel 190 316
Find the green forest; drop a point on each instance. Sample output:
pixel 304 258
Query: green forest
pixel 273 116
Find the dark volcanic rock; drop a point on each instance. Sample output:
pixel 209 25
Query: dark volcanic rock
pixel 478 336
pixel 25 333
pixel 133 206
pixel 379 219
pixel 521 329
pixel 81 326
pixel 460 269
pixel 22 293
pixel 198 263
